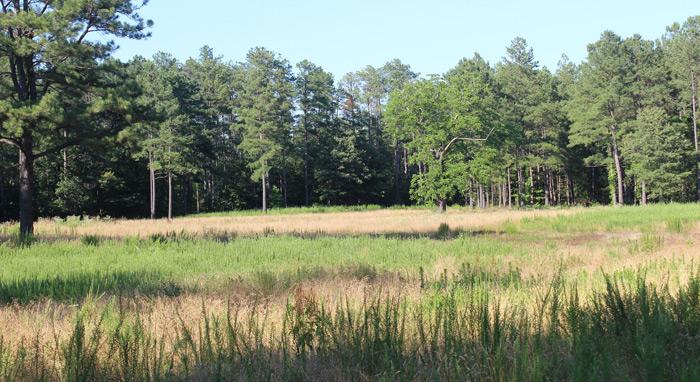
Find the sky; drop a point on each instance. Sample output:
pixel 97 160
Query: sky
pixel 431 36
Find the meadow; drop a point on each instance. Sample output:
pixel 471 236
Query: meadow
pixel 597 293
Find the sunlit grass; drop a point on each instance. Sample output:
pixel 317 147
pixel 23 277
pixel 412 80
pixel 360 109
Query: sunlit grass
pixel 615 219
pixel 442 299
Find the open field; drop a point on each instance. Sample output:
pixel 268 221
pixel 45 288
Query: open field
pixel 577 294
pixel 414 221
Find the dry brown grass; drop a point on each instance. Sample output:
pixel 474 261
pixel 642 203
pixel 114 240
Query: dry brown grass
pixel 574 253
pixel 412 221
pixel 49 320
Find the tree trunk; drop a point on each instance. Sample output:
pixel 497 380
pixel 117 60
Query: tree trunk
pixel 284 187
pixel 397 173
pixel 3 200
pixel 264 192
pixel 187 195
pixel 196 192
pixel 26 186
pixel 170 195
pixel 545 188
pixel 478 195
pixel 694 87
pixel 65 157
pixel 510 191
pixel 559 187
pixel 532 187
pixel 307 196
pixel 618 168
pixel 442 205
pixel 644 193
pixel 571 198
pixel 405 161
pixel 521 188
pixel 594 184
pixel 209 183
pixel 152 186
pixel 471 193
pixel 502 195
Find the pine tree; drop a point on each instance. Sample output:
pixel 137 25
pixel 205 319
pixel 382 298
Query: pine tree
pixel 169 105
pixel 602 103
pixel 658 153
pixel 57 78
pixel 264 108
pixel 682 44
pixel 315 96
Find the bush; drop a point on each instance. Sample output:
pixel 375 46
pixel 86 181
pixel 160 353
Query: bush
pixel 443 231
pixel 91 240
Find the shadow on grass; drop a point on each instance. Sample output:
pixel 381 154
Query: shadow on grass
pixel 226 237
pixel 442 233
pixel 75 287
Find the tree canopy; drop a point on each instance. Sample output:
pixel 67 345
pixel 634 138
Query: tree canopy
pixel 86 134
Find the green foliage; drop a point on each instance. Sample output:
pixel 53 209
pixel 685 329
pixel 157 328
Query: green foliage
pixel 583 134
pixel 265 109
pixel 71 195
pixel 91 240
pixel 659 154
pixel 677 224
pixel 168 100
pixel 62 87
pixel 437 118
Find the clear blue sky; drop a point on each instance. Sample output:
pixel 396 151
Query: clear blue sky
pixel 431 36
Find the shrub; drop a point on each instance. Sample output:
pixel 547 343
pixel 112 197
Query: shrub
pixel 91 240
pixel 443 231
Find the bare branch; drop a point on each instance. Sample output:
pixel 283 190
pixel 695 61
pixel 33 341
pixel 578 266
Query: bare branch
pixel 443 151
pixel 9 141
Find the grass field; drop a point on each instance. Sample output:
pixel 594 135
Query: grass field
pixel 366 294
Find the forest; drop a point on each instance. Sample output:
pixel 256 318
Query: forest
pixel 85 134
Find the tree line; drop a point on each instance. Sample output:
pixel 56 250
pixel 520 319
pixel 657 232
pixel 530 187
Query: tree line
pixel 85 134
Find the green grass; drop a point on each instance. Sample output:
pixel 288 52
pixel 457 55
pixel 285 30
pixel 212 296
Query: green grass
pixel 209 264
pixel 76 285
pixel 518 303
pixel 269 263
pixel 612 219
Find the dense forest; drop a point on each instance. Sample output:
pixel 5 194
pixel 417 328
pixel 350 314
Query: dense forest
pixel 85 134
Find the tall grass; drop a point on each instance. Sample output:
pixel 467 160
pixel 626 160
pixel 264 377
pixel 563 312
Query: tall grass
pixel 628 331
pixel 607 294
pixel 317 209
pixel 673 216
pixel 48 269
pixel 74 287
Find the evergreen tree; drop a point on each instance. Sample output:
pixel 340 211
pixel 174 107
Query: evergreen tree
pixel 223 174
pixel 58 78
pixel 682 44
pixel 315 94
pixel 658 153
pixel 164 136
pixel 264 108
pixel 603 101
